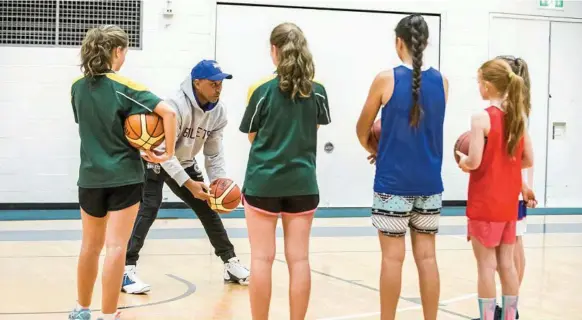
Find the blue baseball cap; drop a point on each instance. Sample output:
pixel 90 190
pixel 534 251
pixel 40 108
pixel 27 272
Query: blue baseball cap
pixel 210 70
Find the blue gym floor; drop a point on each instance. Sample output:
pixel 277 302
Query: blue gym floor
pixel 11 215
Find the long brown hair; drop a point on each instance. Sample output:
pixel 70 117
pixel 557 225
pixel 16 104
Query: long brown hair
pixel 295 63
pixel 413 30
pixel 509 84
pixel 519 67
pixel 97 48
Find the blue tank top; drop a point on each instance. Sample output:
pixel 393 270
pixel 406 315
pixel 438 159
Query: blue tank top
pixel 409 160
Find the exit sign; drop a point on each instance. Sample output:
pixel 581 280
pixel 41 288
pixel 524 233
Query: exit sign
pixel 551 4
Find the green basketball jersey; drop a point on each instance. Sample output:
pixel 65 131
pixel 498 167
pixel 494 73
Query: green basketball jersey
pixel 282 156
pixel 100 107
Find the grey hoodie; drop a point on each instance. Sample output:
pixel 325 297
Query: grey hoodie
pixel 196 130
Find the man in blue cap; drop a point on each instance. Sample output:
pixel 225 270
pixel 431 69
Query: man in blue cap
pixel 201 121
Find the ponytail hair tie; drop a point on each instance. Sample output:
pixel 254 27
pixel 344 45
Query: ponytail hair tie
pixel 511 74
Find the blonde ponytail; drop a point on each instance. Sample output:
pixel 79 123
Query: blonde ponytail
pixel 501 76
pixel 295 68
pixel 515 112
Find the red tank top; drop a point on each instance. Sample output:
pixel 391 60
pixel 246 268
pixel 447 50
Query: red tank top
pixel 494 187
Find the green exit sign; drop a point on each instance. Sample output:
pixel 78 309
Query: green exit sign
pixel 551 4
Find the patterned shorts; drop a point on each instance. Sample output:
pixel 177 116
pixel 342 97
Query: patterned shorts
pixel 392 215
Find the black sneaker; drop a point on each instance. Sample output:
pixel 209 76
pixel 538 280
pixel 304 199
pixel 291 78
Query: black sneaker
pixel 497 315
pixel 516 314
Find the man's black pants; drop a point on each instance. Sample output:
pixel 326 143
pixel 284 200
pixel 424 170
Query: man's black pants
pixel 152 200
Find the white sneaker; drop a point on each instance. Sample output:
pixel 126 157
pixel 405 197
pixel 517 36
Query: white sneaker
pixel 131 283
pixel 235 272
pixel 115 316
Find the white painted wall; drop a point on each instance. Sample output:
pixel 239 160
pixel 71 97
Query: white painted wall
pixel 340 65
pixel 507 37
pixel 38 136
pixel 565 116
pixel 39 142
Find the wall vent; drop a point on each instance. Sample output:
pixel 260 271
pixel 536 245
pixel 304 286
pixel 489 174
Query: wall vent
pixel 63 23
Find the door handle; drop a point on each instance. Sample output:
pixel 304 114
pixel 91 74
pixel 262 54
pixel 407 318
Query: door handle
pixel 328 147
pixel 558 130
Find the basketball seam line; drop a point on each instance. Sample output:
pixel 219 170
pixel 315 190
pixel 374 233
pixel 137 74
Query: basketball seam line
pixel 131 128
pixel 226 191
pixel 154 131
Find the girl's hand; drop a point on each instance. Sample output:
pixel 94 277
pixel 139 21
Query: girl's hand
pixel 529 196
pixel 156 156
pixel 372 159
pixel 463 159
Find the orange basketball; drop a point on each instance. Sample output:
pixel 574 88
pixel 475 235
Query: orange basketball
pixel 462 145
pixel 144 131
pixel 374 138
pixel 227 195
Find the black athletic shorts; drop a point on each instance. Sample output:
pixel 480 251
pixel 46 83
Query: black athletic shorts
pixel 285 205
pixel 98 201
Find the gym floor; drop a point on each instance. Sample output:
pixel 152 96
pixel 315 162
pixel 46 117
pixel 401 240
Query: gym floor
pixel 38 271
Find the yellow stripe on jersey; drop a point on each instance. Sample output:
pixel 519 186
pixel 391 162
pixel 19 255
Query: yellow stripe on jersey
pixel 78 78
pixel 257 84
pixel 126 82
pixel 73 84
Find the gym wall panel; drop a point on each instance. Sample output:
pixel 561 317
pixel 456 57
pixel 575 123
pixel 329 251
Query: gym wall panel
pixel 348 54
pixel 41 137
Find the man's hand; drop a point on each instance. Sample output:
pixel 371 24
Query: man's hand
pixel 198 189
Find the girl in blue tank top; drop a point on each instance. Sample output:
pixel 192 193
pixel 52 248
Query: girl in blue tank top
pixel 408 183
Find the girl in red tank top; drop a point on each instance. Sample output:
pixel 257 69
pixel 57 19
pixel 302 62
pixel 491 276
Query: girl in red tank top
pixel 500 148
pixel 495 185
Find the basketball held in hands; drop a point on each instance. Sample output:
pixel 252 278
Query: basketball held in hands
pixel 144 131
pixel 225 195
pixel 462 145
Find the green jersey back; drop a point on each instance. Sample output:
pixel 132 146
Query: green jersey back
pixel 282 156
pixel 100 107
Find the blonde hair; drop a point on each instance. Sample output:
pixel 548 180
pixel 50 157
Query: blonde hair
pixel 519 66
pixel 295 68
pixel 97 48
pixel 501 76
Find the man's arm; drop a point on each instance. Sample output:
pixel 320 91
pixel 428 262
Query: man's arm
pixel 214 153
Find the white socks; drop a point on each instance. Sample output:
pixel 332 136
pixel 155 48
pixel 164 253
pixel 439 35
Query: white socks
pixel 80 307
pixel 110 316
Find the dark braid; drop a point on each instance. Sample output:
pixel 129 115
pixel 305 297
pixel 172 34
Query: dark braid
pixel 417 47
pixel 413 30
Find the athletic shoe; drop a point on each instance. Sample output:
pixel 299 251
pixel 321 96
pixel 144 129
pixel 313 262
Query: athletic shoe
pixel 80 314
pixel 117 316
pixel 131 283
pixel 235 272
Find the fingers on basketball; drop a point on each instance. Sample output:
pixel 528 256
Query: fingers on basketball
pixel 144 131
pixel 374 137
pixel 462 145
pixel 225 195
